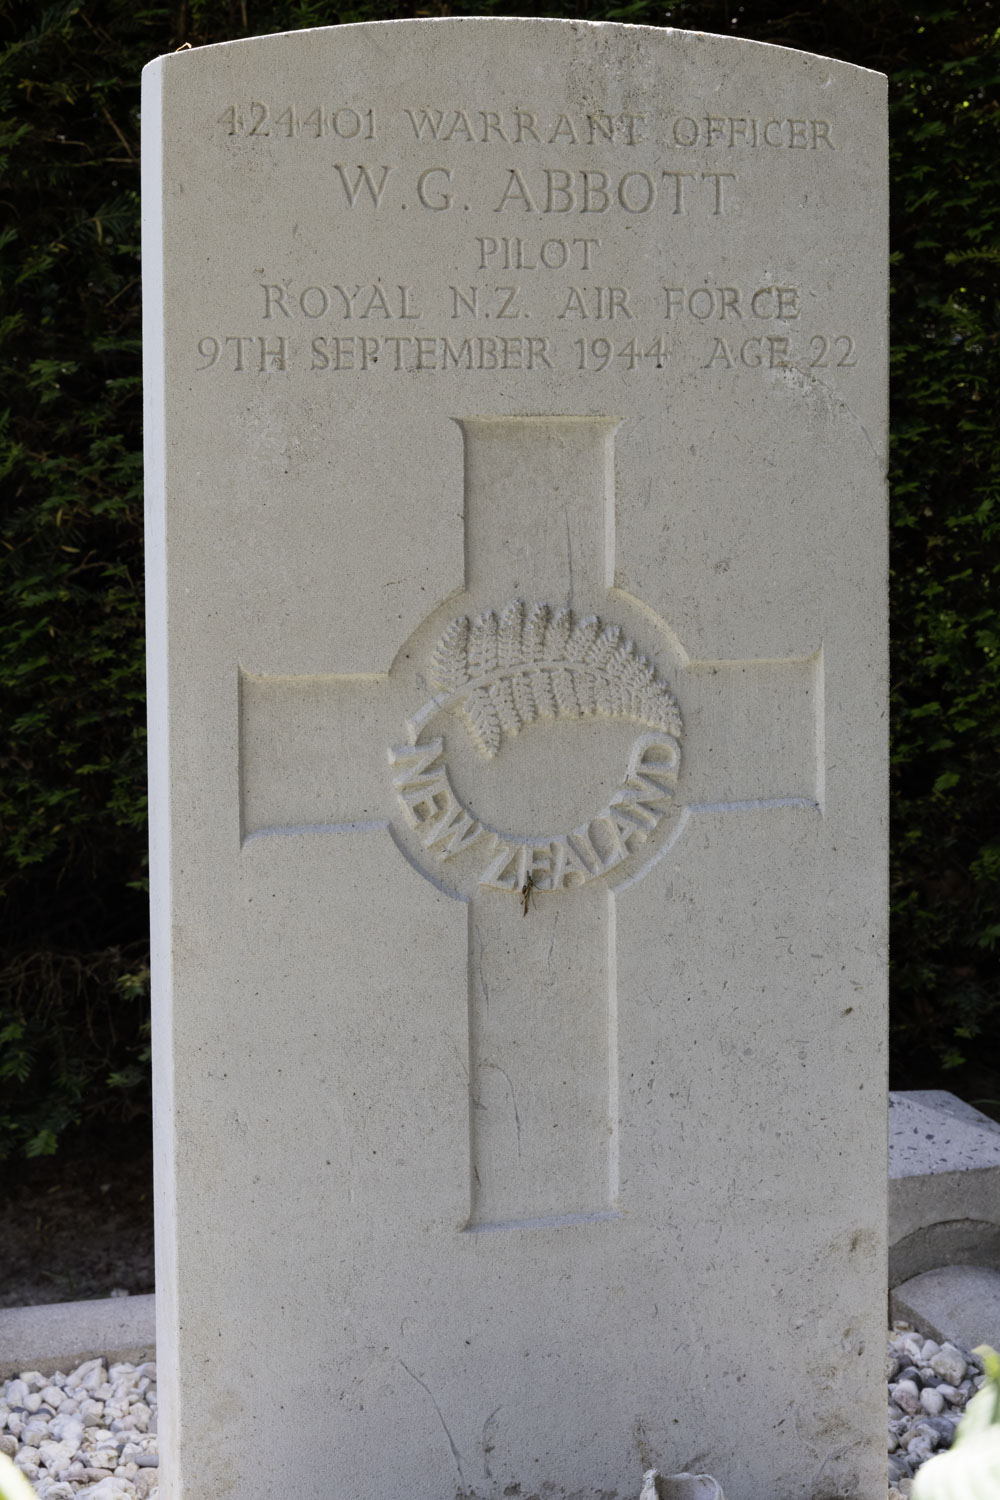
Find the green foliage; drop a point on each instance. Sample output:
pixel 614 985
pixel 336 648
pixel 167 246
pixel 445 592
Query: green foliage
pixel 73 957
pixel 13 1485
pixel 970 1470
pixel 72 756
pixel 946 556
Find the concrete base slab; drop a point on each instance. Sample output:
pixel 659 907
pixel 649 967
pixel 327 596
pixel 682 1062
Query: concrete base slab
pixel 948 1104
pixel 960 1303
pixel 61 1335
pixel 944 1184
pixel 928 1137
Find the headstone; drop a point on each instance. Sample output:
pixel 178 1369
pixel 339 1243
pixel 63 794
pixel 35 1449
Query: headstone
pixel 516 425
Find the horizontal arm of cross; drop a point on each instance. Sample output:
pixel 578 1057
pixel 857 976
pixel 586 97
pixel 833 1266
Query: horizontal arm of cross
pixel 312 749
pixel 753 734
pixel 312 753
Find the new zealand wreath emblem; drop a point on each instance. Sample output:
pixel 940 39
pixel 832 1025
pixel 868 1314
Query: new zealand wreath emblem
pixel 503 672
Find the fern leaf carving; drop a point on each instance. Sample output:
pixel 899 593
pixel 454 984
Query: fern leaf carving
pixel 502 694
pixel 535 629
pixel 585 687
pixel 522 686
pixel 582 639
pixel 509 647
pixel 450 662
pixel 539 663
pixel 544 694
pixel 482 721
pixel 483 652
pixel 603 649
pixel 562 686
pixel 557 635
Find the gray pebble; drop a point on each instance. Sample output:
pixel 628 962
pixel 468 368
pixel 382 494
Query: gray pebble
pixel 932 1401
pixel 927 1397
pixel 67 1429
pixel 899 1468
pixel 949 1363
pixel 906 1395
pixel 920 1436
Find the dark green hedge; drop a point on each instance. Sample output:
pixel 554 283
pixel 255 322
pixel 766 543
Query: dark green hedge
pixel 73 959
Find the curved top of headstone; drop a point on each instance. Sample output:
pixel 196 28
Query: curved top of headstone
pixel 500 28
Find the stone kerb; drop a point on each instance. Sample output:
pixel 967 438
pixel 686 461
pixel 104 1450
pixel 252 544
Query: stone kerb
pixel 944 1185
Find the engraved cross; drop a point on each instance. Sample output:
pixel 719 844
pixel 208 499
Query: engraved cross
pixel 538 745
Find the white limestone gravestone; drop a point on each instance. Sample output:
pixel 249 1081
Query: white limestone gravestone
pixel 516 433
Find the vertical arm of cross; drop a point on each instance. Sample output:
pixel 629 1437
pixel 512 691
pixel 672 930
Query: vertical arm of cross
pixel 539 515
pixel 539 507
pixel 543 1059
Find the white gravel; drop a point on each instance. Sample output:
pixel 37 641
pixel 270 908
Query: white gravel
pixel 93 1432
pixel 929 1387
